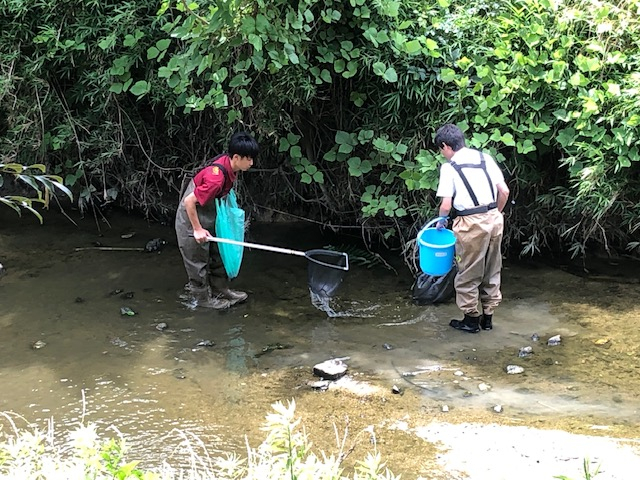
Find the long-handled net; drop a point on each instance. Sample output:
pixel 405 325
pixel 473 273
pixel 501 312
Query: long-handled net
pixel 326 268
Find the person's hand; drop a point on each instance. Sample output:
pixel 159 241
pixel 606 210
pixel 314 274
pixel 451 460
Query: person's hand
pixel 200 235
pixel 442 223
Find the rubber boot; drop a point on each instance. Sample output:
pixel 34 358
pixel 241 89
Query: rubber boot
pixel 234 296
pixel 205 299
pixel 486 322
pixel 469 324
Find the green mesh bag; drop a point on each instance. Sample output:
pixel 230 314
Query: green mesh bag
pixel 230 225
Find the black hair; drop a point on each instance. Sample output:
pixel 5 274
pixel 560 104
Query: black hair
pixel 451 135
pixel 243 144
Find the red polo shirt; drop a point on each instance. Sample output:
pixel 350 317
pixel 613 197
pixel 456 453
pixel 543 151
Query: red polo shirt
pixel 210 182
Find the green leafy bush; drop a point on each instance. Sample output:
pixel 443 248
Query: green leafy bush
pixel 122 99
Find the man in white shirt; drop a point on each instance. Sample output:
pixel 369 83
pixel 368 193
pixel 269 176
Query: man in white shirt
pixel 471 182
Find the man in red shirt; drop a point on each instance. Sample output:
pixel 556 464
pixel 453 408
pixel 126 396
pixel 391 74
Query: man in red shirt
pixel 196 215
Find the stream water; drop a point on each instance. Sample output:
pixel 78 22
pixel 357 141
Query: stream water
pixel 161 389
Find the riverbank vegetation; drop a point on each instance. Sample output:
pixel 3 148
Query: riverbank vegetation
pixel 121 99
pixel 285 453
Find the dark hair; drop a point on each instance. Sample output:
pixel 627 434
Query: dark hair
pixel 451 135
pixel 243 144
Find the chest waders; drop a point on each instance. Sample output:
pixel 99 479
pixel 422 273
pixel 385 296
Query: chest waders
pixel 207 277
pixel 472 323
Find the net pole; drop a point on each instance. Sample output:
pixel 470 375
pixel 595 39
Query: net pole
pixel 258 246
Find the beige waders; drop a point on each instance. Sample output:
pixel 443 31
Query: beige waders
pixel 478 249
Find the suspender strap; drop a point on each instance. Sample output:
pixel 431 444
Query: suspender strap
pixel 486 173
pixel 479 208
pixel 224 170
pixel 465 181
pixel 214 161
pixel 187 178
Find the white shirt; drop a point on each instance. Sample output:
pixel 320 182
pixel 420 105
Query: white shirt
pixel 451 185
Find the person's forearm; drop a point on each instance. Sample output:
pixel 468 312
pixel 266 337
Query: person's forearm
pixel 445 207
pixel 192 213
pixel 503 196
pixel 502 201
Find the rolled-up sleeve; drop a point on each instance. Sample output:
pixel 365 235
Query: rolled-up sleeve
pixel 208 184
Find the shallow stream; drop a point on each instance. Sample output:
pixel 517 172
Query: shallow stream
pixel 160 389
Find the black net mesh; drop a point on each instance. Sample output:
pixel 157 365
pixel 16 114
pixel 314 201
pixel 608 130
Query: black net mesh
pixel 326 270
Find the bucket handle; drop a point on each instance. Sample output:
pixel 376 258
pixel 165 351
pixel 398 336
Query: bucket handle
pixel 435 220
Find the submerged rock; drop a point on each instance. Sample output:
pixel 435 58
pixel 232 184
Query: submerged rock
pixel 273 346
pixel 514 369
pixel 118 342
pixel 155 245
pixel 525 352
pixel 553 341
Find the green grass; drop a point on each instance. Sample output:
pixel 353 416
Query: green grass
pixel 286 453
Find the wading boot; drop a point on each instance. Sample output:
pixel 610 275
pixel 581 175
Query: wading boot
pixel 486 322
pixel 203 298
pixel 469 324
pixel 234 296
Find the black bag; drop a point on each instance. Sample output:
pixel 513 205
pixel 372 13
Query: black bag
pixel 430 289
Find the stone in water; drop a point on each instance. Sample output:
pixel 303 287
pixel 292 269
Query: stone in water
pixel 525 352
pixel 330 369
pixel 514 369
pixel 553 341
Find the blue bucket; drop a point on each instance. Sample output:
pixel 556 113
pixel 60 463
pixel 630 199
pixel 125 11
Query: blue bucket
pixel 436 250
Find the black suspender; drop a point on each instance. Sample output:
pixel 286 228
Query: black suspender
pixel 458 168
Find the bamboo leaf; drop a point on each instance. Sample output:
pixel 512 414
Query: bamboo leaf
pixel 29 180
pixel 10 204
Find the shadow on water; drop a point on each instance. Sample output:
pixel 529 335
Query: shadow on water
pixel 214 374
